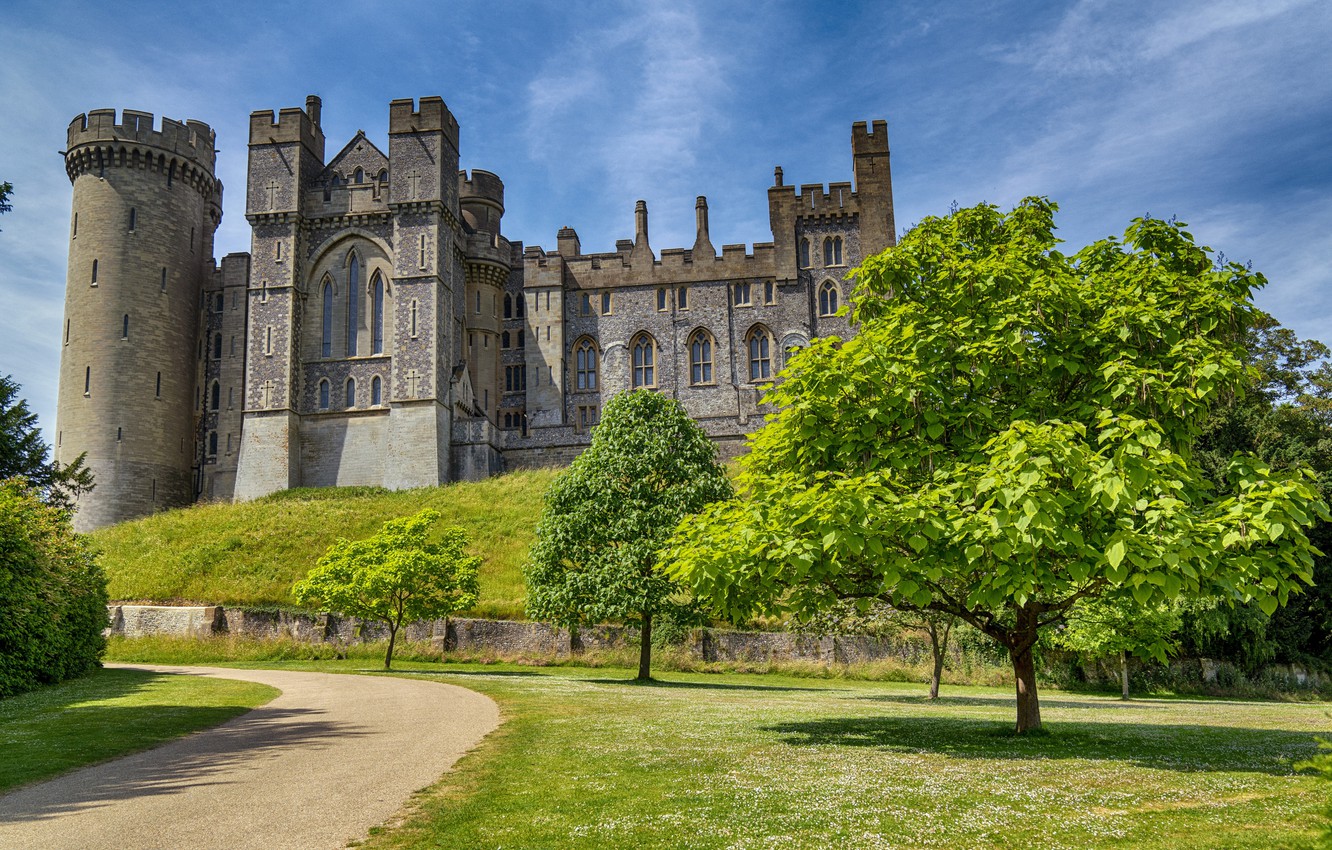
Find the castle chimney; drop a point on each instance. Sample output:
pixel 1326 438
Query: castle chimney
pixel 312 104
pixel 702 242
pixel 777 175
pixel 642 253
pixel 640 223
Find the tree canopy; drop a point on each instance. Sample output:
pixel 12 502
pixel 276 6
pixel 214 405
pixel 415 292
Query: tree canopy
pixel 608 516
pixel 24 453
pixel 1010 431
pixel 398 575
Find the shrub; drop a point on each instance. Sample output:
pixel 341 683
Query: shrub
pixel 52 594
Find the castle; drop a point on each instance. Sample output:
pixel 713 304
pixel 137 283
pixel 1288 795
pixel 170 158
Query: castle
pixel 382 330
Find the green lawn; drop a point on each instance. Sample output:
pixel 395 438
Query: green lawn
pixel 251 553
pixel 588 759
pixel 111 713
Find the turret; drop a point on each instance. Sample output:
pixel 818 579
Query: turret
pixel 146 204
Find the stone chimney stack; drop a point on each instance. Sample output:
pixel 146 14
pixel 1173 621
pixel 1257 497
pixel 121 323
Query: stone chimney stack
pixel 312 108
pixel 702 242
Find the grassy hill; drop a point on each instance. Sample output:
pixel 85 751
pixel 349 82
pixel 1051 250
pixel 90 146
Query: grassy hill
pixel 252 553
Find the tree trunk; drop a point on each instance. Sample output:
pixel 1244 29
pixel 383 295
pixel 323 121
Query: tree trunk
pixel 393 636
pixel 1123 672
pixel 938 648
pixel 1028 703
pixel 645 649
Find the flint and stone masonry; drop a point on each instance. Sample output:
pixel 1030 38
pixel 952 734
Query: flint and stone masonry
pixel 383 331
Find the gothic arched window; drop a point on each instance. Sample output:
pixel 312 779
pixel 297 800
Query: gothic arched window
pixel 804 253
pixel 376 391
pixel 508 306
pixel 700 357
pixel 645 356
pixel 323 394
pixel 353 302
pixel 377 322
pixel 828 297
pixel 351 392
pixel 217 347
pixel 326 337
pixel 585 359
pixel 832 251
pixel 216 396
pixel 759 342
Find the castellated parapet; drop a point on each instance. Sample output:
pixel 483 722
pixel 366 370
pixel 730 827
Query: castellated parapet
pixel 384 331
pixel 146 204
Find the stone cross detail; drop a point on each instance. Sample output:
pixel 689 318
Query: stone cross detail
pixel 412 378
pixel 268 394
pixel 415 179
pixel 272 189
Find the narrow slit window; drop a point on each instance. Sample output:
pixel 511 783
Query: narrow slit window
pixel 133 218
pixel 353 304
pixel 422 261
pixel 67 332
pixel 413 319
pixel 377 319
pixel 164 278
pixel 94 273
pixel 158 392
pixel 216 396
pixel 376 390
pixel 351 393
pixel 124 326
pixel 87 380
pixel 326 334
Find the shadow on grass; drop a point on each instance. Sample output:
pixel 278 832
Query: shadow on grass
pixel 161 762
pixel 708 686
pixel 1185 748
pixel 1094 702
pixel 528 673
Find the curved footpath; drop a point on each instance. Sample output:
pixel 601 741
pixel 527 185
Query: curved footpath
pixel 321 764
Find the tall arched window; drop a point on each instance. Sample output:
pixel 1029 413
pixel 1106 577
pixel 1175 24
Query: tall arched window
pixel 832 251
pixel 377 322
pixel 505 340
pixel 508 306
pixel 585 359
pixel 353 302
pixel 760 353
pixel 217 347
pixel 804 253
pixel 351 393
pixel 326 337
pixel 376 391
pixel 700 357
pixel 216 396
pixel 645 357
pixel 828 297
pixel 521 341
pixel 323 394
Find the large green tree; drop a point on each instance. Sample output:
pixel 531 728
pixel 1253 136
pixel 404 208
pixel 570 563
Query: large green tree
pixel 1010 431
pixel 401 574
pixel 608 516
pixel 52 594
pixel 24 453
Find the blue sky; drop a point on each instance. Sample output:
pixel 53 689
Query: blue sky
pixel 1218 113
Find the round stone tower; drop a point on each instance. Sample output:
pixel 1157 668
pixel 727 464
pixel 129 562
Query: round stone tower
pixel 488 255
pixel 146 204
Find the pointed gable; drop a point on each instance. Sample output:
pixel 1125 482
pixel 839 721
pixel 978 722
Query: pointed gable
pixel 360 153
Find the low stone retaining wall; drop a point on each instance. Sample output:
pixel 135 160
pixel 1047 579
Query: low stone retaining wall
pixel 502 637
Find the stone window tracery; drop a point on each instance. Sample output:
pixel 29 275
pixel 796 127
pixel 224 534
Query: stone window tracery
pixel 759 342
pixel 700 357
pixel 828 298
pixel 585 363
pixel 644 361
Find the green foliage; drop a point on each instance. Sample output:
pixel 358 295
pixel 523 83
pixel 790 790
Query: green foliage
pixel 52 594
pixel 1321 765
pixel 23 452
pixel 396 576
pixel 1286 420
pixel 1010 431
pixel 608 516
pixel 1100 628
pixel 251 553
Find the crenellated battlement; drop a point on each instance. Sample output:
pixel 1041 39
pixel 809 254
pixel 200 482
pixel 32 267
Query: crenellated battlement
pixel 292 124
pixel 191 140
pixel 869 138
pixel 432 115
pixel 482 185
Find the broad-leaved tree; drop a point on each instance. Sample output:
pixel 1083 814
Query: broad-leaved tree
pixel 399 575
pixel 609 514
pixel 1010 431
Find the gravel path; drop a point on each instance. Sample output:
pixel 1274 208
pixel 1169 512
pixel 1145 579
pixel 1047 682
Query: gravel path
pixel 315 768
